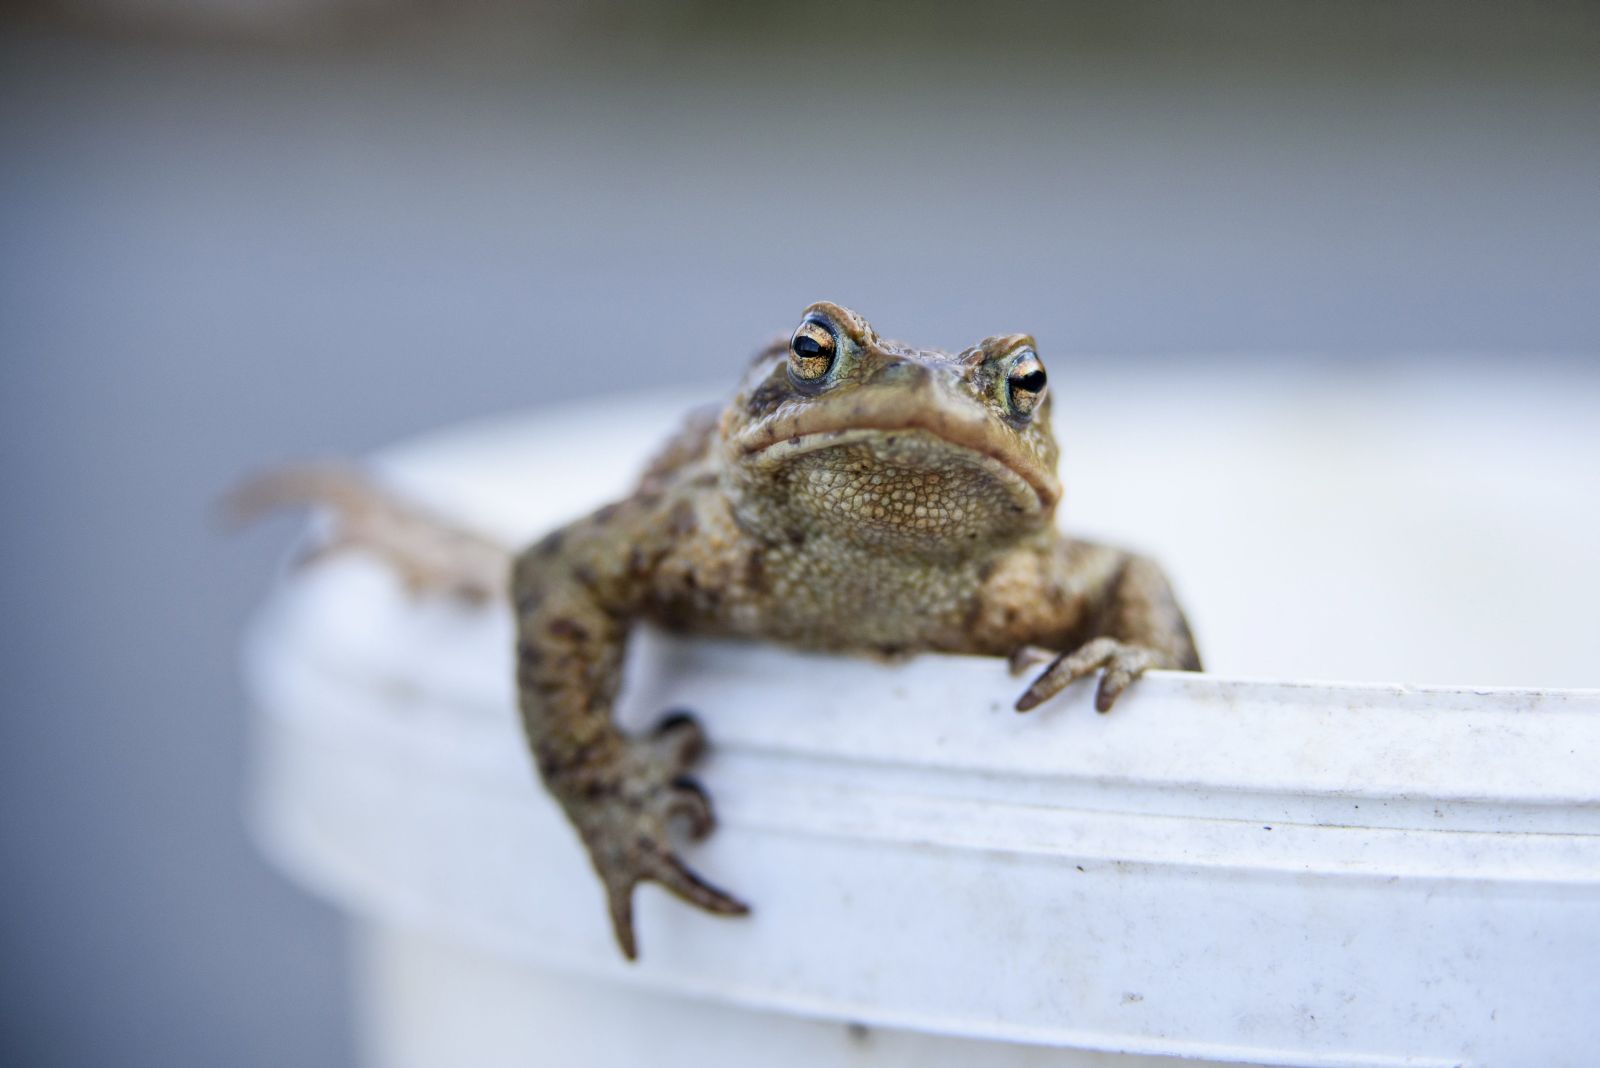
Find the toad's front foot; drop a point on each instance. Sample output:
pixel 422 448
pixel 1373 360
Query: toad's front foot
pixel 624 812
pixel 1122 662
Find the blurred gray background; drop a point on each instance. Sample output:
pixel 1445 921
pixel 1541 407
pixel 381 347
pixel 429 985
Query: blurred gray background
pixel 235 233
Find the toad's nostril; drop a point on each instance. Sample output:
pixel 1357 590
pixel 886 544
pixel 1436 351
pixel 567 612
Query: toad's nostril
pixel 902 372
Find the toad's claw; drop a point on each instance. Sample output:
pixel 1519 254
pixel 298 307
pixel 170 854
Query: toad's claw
pixel 626 827
pixel 653 862
pixel 1123 663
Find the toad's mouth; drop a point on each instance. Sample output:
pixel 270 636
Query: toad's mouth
pixel 923 440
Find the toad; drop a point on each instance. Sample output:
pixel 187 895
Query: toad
pixel 854 495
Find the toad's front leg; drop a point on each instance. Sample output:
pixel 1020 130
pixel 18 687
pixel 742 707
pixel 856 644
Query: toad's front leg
pixel 622 794
pixel 1115 613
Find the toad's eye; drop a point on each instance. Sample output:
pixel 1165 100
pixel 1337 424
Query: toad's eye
pixel 1025 383
pixel 811 351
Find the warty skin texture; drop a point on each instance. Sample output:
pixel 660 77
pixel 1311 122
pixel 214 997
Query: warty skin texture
pixel 855 494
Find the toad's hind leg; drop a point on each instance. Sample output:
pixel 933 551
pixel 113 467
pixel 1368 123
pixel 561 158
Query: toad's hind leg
pixel 431 554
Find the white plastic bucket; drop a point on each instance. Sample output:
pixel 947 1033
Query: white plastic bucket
pixel 1235 871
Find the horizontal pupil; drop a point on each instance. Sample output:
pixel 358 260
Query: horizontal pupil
pixel 807 348
pixel 1032 382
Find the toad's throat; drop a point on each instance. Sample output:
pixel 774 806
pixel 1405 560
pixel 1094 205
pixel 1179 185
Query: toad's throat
pixel 1037 487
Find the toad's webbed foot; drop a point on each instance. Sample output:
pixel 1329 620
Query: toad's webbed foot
pixel 1122 663
pixel 624 810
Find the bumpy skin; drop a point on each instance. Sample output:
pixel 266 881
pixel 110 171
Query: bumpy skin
pixel 855 494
